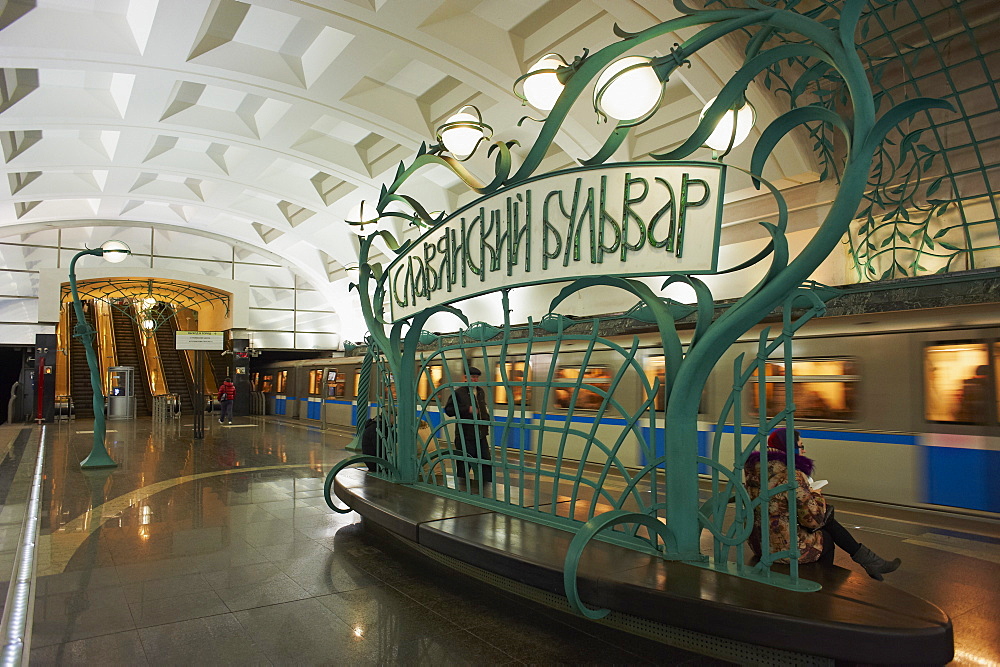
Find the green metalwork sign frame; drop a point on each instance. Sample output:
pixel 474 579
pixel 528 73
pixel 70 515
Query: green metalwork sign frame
pixel 656 507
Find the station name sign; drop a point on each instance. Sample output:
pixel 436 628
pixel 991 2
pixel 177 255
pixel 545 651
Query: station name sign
pixel 632 219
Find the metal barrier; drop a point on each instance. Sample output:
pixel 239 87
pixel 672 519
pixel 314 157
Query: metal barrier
pixel 64 409
pixel 166 406
pixel 257 403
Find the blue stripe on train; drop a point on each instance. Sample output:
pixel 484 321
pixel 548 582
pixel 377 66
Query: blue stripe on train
pixel 852 436
pixel 659 446
pixel 515 435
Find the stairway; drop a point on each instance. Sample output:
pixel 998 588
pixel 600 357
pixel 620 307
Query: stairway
pixel 127 353
pixel 79 372
pixel 175 370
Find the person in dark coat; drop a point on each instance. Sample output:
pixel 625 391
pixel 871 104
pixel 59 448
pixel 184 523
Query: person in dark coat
pixel 370 439
pixel 472 437
pixel 818 529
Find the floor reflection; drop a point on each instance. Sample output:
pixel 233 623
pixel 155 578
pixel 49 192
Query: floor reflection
pixel 223 550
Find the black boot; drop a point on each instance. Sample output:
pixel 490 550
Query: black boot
pixel 874 565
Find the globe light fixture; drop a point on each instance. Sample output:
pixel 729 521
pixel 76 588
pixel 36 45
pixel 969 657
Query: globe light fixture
pixel 363 218
pixel 461 134
pixel 628 89
pixel 732 129
pixel 148 303
pixel 114 251
pixel 148 325
pixel 541 86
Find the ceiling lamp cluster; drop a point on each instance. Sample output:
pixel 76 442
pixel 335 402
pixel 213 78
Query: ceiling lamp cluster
pixel 146 316
pixel 628 90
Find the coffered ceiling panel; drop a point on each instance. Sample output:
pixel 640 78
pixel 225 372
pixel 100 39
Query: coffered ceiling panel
pixel 260 123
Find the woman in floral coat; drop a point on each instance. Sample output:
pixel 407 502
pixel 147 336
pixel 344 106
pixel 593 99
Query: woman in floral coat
pixel 818 531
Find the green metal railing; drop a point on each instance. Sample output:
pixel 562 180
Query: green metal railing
pixel 650 502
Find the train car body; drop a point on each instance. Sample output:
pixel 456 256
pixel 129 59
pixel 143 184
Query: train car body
pixel 898 408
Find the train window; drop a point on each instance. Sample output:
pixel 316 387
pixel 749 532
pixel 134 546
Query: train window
pixel 996 375
pixel 598 376
pixel 335 386
pixel 267 383
pixel 514 391
pixel 656 368
pixel 823 389
pixel 315 382
pixel 357 381
pixel 389 382
pixel 957 383
pixel 429 380
pixel 280 384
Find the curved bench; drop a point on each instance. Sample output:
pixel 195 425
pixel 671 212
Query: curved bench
pixel 852 619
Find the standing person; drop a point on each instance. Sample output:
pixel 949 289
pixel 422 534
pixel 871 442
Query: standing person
pixel 818 530
pixel 227 393
pixel 471 436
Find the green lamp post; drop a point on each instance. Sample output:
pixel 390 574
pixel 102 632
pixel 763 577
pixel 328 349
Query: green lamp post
pixel 114 252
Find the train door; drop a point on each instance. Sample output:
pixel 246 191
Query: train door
pixel 312 403
pixel 337 407
pixel 512 404
pixel 281 403
pixel 267 391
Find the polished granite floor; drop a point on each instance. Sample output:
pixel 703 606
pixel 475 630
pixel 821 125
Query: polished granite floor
pixel 222 551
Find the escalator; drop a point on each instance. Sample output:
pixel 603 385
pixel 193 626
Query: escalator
pixel 220 365
pixel 79 370
pixel 175 367
pixel 127 350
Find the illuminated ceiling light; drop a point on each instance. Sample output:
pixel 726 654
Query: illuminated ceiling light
pixel 542 86
pixel 148 325
pixel 362 219
pixel 628 89
pixel 148 303
pixel 462 133
pixel 733 128
pixel 115 251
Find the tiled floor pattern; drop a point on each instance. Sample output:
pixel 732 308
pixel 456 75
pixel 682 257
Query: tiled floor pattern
pixel 235 559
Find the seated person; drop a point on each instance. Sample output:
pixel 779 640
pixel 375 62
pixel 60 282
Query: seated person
pixel 818 530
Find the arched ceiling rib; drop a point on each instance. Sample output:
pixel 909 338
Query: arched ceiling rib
pixel 263 122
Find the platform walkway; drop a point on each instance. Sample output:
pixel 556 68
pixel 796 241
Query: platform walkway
pixel 223 551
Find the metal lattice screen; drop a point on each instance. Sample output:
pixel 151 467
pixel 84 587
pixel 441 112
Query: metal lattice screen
pixel 932 204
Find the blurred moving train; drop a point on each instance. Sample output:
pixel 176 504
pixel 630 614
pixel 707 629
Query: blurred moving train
pixel 899 407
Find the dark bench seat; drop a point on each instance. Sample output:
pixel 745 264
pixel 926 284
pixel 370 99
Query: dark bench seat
pixel 852 619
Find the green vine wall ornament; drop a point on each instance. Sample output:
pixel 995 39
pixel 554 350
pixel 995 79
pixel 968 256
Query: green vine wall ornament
pixel 777 35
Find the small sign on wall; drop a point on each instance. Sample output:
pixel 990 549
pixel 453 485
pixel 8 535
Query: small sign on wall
pixel 200 340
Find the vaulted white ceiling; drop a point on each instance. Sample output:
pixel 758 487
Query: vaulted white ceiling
pixel 261 123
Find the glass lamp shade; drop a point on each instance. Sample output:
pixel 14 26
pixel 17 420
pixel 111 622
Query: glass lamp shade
pixel 543 89
pixel 115 251
pixel 462 133
pixel 628 89
pixel 733 128
pixel 148 325
pixel 362 219
pixel 148 303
